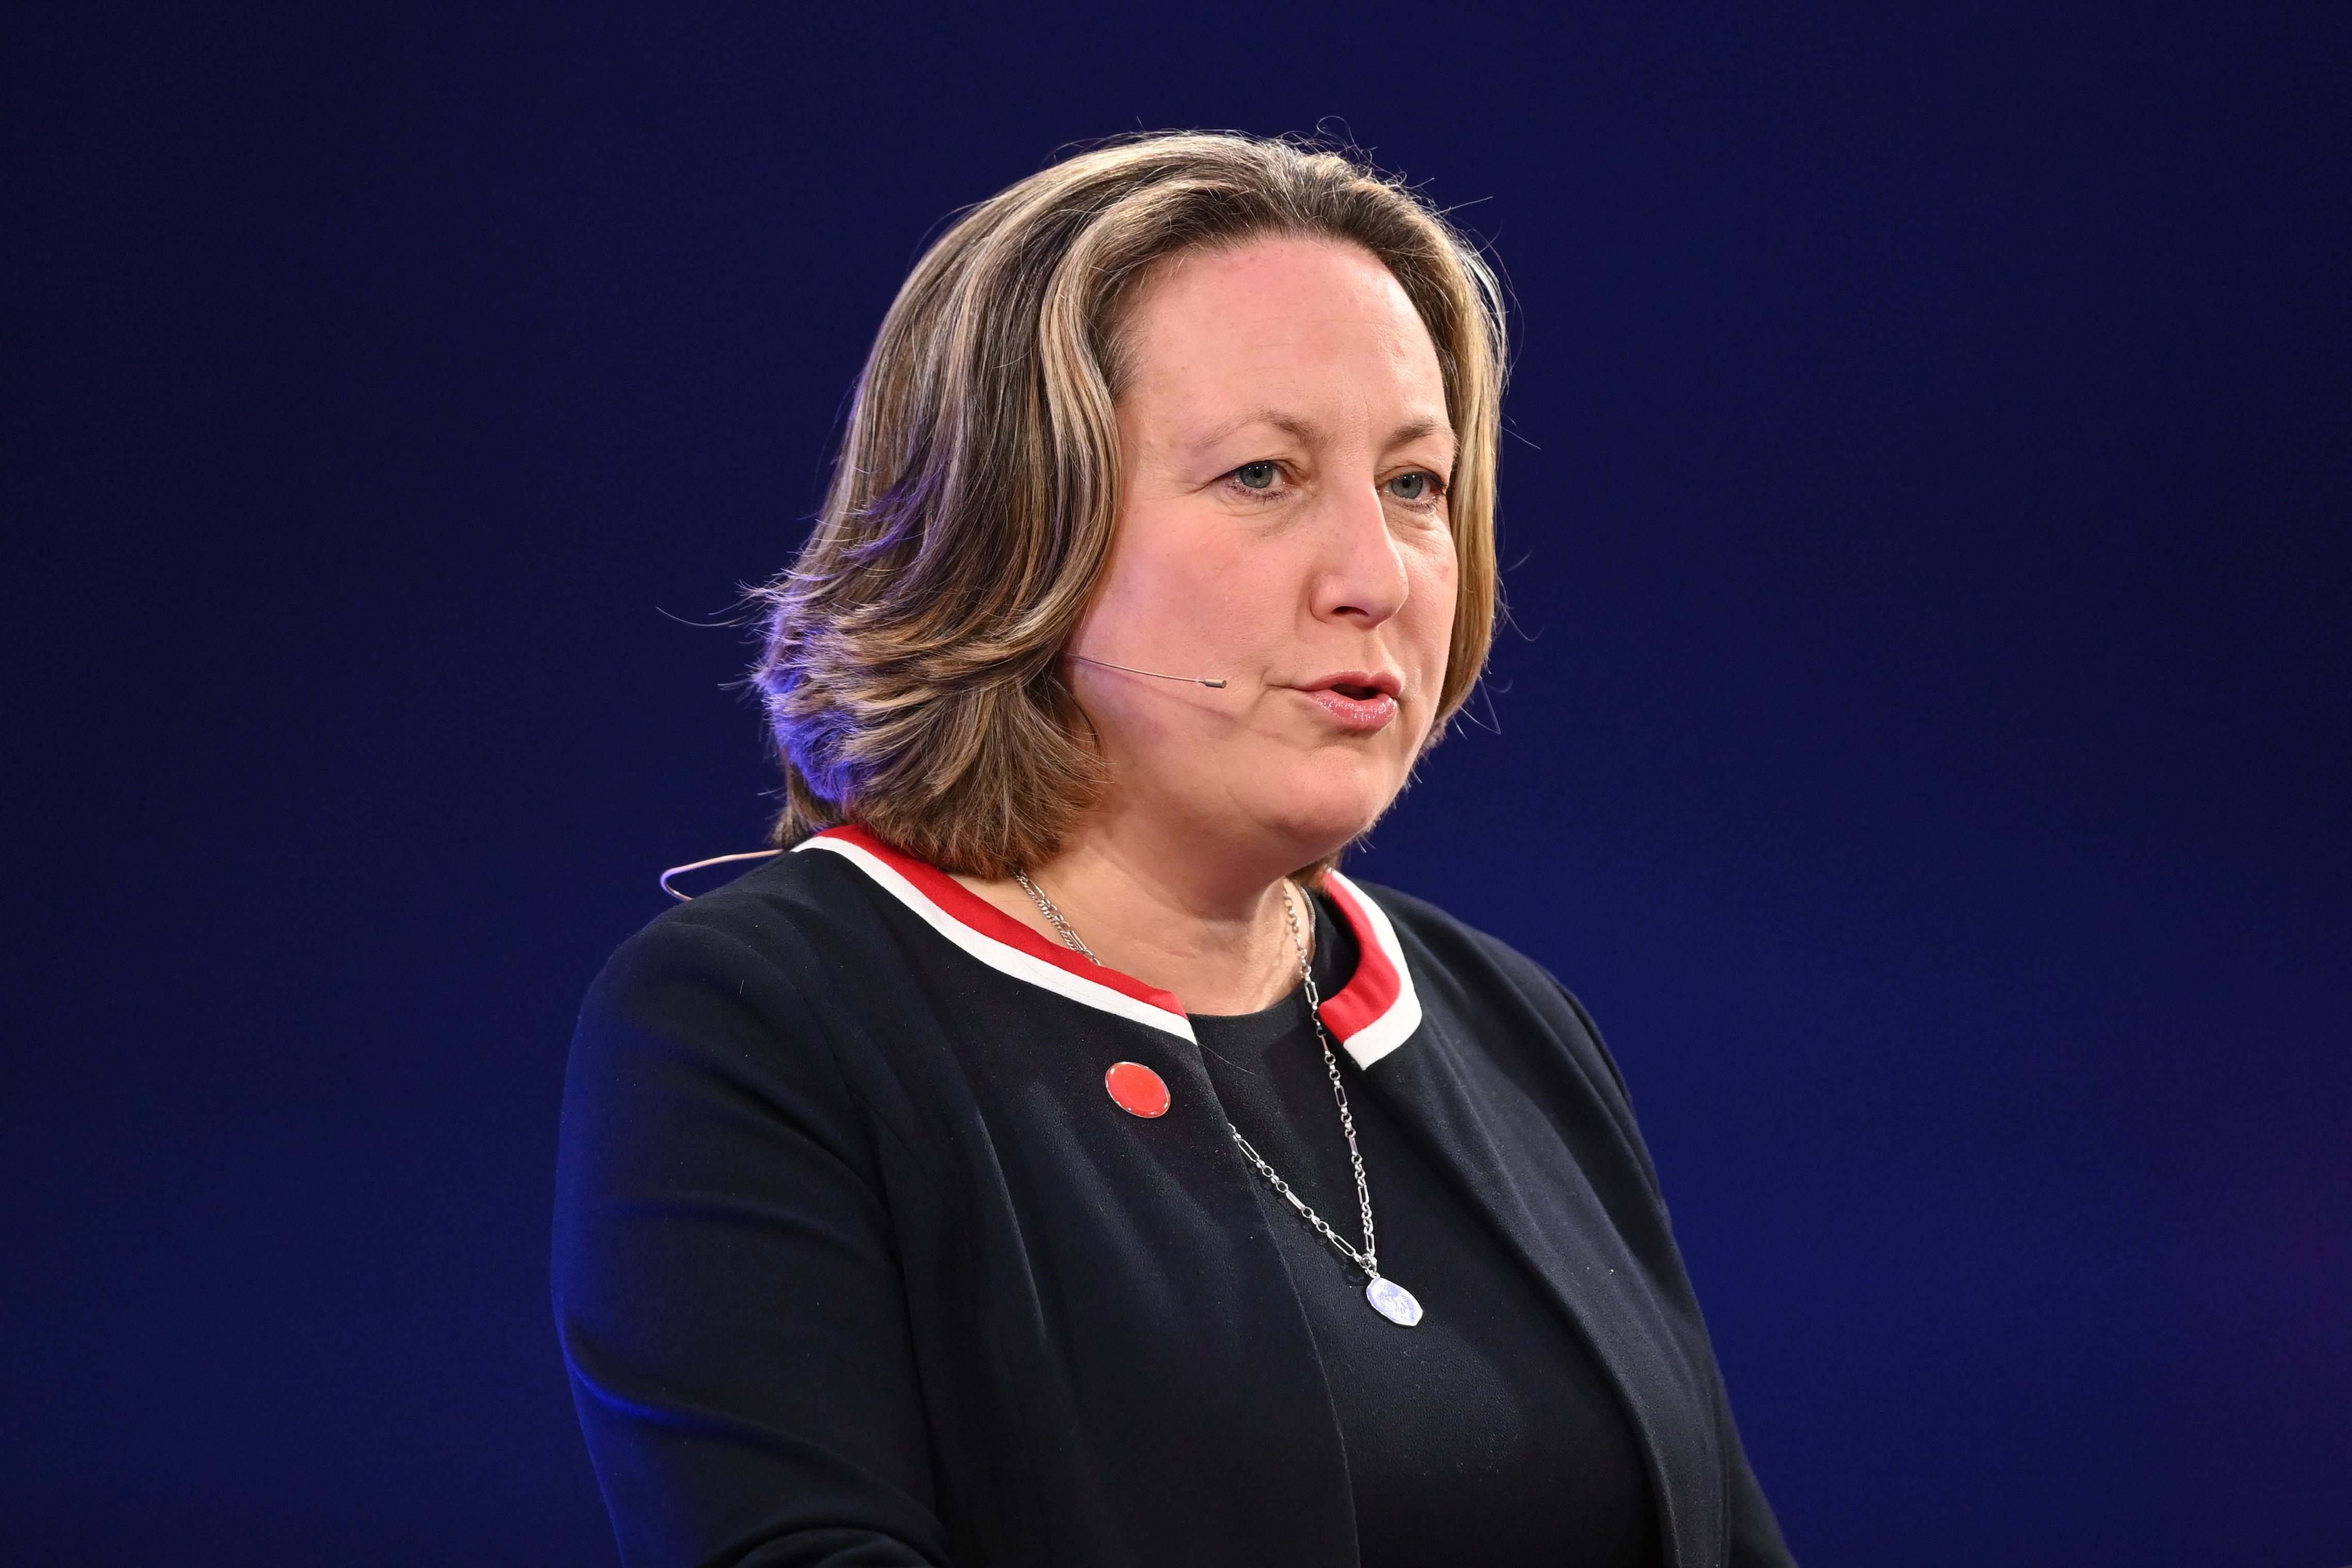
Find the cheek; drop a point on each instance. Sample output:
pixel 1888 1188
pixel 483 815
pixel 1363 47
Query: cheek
pixel 1182 583
pixel 1430 607
pixel 1153 576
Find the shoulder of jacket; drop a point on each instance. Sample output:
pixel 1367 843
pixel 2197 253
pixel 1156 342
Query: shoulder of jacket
pixel 782 907
pixel 1467 954
pixel 1450 938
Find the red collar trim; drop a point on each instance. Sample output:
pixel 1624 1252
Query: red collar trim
pixel 1372 1015
pixel 969 909
pixel 1378 1009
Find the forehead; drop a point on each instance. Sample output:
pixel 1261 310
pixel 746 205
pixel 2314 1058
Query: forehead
pixel 1279 315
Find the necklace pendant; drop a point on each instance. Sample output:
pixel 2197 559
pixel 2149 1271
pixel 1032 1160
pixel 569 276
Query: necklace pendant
pixel 1392 1302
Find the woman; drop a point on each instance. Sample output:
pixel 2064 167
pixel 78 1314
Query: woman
pixel 1052 1159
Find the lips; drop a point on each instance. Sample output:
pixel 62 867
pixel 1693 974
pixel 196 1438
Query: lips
pixel 1357 699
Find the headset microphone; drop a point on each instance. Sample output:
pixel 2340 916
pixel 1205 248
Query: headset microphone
pixel 1217 681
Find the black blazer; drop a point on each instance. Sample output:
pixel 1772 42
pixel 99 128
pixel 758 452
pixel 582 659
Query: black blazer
pixel 856 1262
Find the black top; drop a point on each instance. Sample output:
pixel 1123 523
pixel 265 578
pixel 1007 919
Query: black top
pixel 1484 1434
pixel 858 1263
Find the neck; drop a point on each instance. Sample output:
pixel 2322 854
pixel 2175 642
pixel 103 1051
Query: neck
pixel 1210 929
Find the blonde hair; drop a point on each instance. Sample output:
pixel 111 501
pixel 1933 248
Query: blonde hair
pixel 912 670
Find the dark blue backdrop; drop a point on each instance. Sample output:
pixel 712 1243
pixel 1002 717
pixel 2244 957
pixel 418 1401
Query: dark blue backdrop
pixel 1924 742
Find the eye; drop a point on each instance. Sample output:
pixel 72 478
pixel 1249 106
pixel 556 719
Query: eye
pixel 1257 476
pixel 1417 486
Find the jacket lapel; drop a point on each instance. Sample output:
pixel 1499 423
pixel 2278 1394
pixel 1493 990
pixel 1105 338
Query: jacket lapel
pixel 1509 1159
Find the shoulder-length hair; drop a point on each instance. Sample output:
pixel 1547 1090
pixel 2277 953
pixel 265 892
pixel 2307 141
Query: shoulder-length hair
pixel 912 671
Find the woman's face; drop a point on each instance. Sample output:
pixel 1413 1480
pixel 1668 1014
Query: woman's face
pixel 1286 451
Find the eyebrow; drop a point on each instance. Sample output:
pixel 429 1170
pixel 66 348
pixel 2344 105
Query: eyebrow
pixel 1288 424
pixel 1300 429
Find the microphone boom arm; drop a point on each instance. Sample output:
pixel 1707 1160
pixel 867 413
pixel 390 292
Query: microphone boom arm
pixel 1215 682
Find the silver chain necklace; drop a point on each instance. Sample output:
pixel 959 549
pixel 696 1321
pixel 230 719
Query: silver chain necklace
pixel 1389 1299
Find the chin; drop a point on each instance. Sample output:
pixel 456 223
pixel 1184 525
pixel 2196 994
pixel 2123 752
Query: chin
pixel 1321 810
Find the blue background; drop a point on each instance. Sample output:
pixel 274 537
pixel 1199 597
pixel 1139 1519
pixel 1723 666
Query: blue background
pixel 1923 737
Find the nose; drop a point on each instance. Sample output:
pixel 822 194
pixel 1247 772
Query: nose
pixel 1361 577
